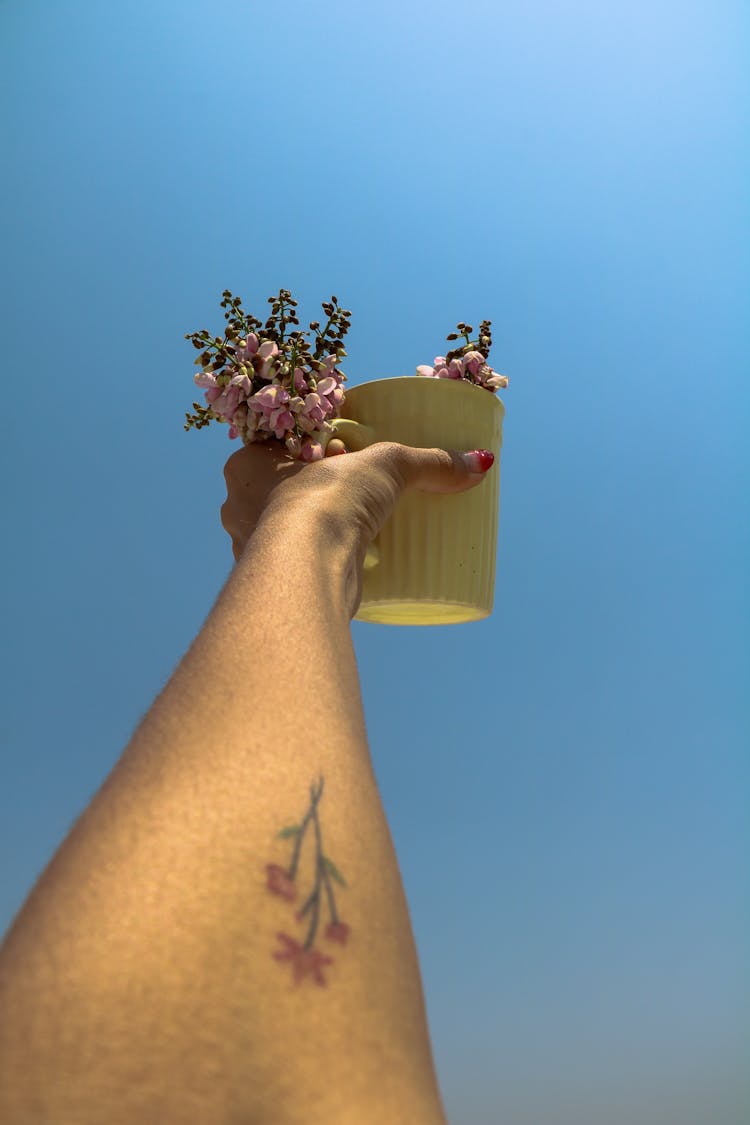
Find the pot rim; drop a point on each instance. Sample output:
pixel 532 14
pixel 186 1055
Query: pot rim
pixel 423 379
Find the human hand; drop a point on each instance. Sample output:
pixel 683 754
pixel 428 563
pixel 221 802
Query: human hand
pixel 359 490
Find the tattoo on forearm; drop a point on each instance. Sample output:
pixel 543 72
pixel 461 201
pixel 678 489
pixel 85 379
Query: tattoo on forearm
pixel 300 951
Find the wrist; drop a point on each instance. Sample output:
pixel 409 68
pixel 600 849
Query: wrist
pixel 310 551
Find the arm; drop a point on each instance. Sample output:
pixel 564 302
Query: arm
pixel 139 981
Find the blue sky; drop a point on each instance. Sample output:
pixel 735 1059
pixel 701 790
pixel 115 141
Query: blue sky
pixel 567 781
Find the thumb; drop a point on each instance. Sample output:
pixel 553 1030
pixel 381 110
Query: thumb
pixel 443 470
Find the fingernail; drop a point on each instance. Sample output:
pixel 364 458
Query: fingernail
pixel 479 460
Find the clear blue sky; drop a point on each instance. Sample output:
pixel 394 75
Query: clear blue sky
pixel 567 782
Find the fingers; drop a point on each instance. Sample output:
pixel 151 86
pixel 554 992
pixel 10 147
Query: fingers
pixel 435 470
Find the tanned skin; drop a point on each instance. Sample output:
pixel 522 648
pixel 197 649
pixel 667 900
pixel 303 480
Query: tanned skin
pixel 144 979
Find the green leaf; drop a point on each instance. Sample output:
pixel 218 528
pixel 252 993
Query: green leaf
pixel 333 870
pixel 290 830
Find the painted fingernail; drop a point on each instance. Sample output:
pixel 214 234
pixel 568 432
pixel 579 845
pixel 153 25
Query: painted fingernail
pixel 479 460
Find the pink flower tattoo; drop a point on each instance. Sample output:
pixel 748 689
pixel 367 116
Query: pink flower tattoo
pixel 305 962
pixel 280 883
pixel 303 956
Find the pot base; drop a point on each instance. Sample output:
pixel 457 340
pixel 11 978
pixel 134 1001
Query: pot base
pixel 419 613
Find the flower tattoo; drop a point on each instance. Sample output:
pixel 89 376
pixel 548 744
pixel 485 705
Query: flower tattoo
pixel 305 959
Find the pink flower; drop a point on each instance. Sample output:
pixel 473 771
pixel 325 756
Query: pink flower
pixel 337 931
pixel 300 382
pixel 471 367
pixel 327 366
pixel 280 883
pixel 246 349
pixel 205 379
pixel 305 962
pixel 331 392
pixel 269 398
pixel 243 381
pixel 281 422
pixel 454 370
pixel 267 353
pixel 311 450
pixel 226 402
pixel 472 363
pixel 272 404
pixel 312 412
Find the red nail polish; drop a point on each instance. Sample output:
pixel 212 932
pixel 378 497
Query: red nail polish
pixel 480 460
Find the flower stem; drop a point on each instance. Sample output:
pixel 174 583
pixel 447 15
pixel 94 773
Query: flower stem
pixel 331 899
pixel 313 929
pixel 319 876
pixel 320 342
pixel 308 903
pixel 315 796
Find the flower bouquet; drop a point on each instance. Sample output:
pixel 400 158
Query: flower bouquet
pixel 267 383
pixel 433 562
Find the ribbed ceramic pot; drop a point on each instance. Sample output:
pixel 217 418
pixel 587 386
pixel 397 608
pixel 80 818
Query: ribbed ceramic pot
pixel 435 557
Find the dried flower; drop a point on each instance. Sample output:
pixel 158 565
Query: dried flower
pixel 268 384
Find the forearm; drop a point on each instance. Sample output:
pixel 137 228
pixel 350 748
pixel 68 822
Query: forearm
pixel 139 978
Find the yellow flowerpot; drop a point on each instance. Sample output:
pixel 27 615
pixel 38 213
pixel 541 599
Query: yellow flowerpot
pixel 433 563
